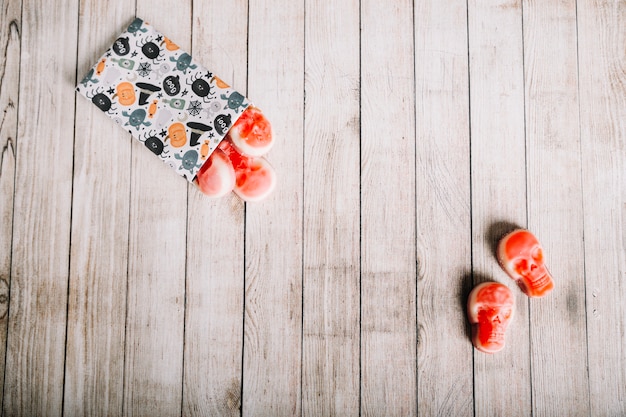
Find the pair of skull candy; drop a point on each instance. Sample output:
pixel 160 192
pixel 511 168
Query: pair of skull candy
pixel 491 305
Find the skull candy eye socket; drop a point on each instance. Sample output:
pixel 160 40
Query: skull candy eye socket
pixel 520 265
pixel 537 254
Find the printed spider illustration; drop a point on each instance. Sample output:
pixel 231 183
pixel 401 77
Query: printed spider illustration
pixel 101 100
pixel 144 69
pixel 195 107
pixel 201 87
pixel 153 143
pixel 151 50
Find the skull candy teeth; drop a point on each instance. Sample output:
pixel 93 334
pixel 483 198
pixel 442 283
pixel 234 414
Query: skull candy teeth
pixel 520 254
pixel 490 308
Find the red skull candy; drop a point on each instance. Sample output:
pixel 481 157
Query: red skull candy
pixel 490 307
pixel 521 256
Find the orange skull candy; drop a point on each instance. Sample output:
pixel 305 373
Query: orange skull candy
pixel 490 307
pixel 521 256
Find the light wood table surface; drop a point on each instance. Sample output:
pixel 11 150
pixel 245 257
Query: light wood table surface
pixel 411 135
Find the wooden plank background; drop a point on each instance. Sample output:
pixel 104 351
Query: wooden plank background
pixel 410 136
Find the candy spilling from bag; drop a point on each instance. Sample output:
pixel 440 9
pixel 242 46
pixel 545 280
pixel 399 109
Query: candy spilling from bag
pixel 201 127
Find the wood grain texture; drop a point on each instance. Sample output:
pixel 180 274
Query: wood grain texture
pixel 498 176
pixel 215 241
pixel 411 136
pixel 330 364
pixel 601 40
pixel 153 370
pixel 558 338
pixel 388 251
pixel 273 303
pixel 443 208
pixel 10 34
pixel 94 363
pixel 41 232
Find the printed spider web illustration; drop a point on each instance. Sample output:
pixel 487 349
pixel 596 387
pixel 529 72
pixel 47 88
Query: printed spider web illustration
pixel 195 107
pixel 144 69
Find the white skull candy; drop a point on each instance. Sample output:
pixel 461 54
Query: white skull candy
pixel 521 256
pixel 490 308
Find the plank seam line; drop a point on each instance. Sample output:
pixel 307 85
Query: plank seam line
pixel 182 371
pixel 130 188
pixel 360 208
pixel 69 254
pixel 582 203
pixel 302 230
pixel 415 202
pixel 471 198
pixel 526 145
pixel 245 240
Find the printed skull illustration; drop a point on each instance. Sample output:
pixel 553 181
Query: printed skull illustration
pixel 183 62
pixel 135 27
pixel 490 308
pixel 234 101
pixel 136 118
pixel 89 78
pixel 520 254
pixel 189 160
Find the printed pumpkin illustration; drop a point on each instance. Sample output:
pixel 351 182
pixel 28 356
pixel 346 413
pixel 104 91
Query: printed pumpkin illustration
pixel 177 135
pixel 125 93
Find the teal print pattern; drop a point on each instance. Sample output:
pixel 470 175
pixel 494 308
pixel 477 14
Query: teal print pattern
pixel 163 97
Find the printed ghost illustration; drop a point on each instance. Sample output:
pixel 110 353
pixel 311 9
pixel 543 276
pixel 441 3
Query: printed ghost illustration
pixel 183 62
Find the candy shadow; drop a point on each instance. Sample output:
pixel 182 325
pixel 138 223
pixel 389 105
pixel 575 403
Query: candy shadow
pixel 497 230
pixel 470 280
